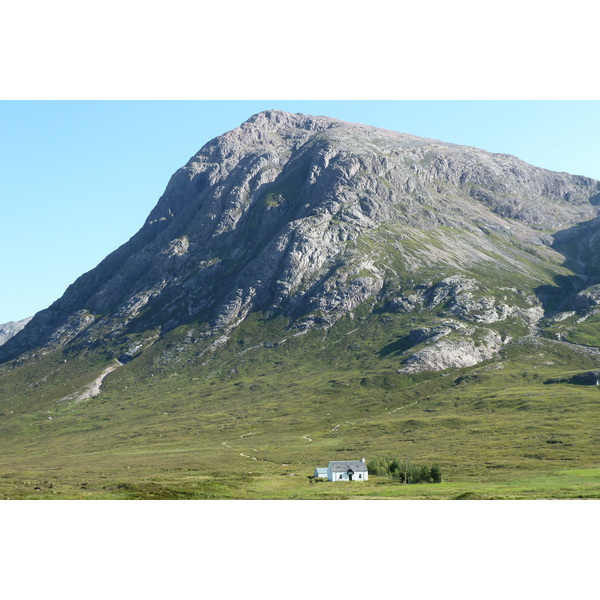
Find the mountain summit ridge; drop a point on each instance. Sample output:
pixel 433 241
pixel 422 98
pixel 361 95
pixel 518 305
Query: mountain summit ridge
pixel 310 218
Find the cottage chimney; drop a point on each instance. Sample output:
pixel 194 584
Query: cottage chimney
pixel 363 460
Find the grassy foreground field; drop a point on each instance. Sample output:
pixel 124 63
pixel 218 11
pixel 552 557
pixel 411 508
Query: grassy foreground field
pixel 573 484
pixel 254 428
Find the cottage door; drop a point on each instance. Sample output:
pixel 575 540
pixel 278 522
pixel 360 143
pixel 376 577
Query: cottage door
pixel 350 473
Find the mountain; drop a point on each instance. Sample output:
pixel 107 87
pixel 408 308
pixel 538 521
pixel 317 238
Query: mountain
pixel 10 329
pixel 295 244
pixel 310 217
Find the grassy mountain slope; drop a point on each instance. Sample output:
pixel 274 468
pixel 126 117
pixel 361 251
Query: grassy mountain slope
pixel 309 290
pixel 237 424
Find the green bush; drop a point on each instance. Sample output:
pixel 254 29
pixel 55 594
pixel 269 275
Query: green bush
pixel 404 471
pixel 436 474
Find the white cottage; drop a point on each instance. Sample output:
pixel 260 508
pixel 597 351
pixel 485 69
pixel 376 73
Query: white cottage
pixel 320 472
pixel 347 470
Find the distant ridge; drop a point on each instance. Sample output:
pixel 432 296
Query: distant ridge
pixel 10 329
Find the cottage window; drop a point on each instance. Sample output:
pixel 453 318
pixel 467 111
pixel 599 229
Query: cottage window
pixel 359 476
pixel 340 477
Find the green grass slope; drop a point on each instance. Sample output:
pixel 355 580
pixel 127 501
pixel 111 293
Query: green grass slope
pixel 254 419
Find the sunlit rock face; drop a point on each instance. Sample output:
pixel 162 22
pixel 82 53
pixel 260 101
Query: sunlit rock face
pixel 10 329
pixel 310 218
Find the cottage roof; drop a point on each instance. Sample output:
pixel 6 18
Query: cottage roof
pixel 341 466
pixel 321 470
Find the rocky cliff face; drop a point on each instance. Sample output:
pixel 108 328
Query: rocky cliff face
pixel 10 329
pixel 310 218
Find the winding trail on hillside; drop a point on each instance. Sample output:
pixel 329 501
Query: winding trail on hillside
pixel 587 349
pixel 226 444
pixel 537 335
pixel 401 407
pixel 91 390
pixel 248 456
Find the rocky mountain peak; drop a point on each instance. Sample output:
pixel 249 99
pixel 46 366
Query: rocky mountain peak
pixel 285 122
pixel 310 219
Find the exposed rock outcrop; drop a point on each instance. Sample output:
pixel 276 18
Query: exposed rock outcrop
pixel 10 329
pixel 456 353
pixel 587 378
pixel 310 218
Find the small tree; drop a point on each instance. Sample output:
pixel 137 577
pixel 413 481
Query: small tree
pixel 436 474
pixel 422 474
pixel 404 471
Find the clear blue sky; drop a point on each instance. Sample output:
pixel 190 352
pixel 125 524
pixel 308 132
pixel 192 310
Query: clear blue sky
pixel 78 178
